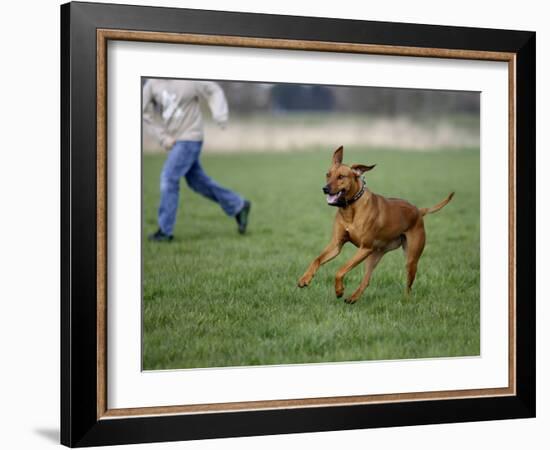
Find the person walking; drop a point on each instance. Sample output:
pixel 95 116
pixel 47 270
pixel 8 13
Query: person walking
pixel 171 111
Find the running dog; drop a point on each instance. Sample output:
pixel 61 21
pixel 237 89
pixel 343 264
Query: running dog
pixel 373 223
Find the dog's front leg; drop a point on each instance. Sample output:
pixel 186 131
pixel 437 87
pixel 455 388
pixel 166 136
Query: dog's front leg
pixel 361 254
pixel 331 251
pixel 370 263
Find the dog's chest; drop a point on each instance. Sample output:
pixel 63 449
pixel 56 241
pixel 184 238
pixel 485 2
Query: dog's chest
pixel 356 225
pixel 359 229
pixel 353 233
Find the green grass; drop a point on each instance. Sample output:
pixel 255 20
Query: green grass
pixel 213 298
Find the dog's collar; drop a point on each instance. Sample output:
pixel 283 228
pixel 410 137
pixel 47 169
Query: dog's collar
pixel 355 197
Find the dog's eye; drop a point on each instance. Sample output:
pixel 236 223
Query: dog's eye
pixel 341 177
pixel 328 174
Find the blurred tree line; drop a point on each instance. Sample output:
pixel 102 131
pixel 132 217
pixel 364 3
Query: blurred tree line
pixel 246 98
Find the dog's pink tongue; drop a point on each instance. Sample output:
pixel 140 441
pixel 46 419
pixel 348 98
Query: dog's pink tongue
pixel 331 198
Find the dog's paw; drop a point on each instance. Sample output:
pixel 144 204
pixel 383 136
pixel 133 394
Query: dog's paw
pixel 339 293
pixel 303 282
pixel 350 301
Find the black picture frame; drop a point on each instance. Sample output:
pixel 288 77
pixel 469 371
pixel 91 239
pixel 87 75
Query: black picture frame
pixel 80 425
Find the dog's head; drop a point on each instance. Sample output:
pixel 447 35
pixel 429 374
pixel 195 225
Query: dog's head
pixel 343 181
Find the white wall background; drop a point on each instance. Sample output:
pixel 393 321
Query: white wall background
pixel 29 225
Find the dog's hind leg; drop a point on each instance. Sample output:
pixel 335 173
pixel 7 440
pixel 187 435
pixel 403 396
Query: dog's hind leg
pixel 415 241
pixel 370 263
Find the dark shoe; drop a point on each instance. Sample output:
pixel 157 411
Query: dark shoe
pixel 160 236
pixel 242 217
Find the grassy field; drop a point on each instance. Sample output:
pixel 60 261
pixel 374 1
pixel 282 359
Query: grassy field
pixel 214 298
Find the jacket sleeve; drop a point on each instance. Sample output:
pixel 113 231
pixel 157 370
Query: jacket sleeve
pixel 150 119
pixel 214 96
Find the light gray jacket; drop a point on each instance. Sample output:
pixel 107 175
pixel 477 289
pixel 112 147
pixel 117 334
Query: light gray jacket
pixel 171 108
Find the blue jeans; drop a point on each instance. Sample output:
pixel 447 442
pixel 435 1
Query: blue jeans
pixel 183 161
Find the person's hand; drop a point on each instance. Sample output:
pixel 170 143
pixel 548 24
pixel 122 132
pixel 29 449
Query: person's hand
pixel 168 142
pixel 222 124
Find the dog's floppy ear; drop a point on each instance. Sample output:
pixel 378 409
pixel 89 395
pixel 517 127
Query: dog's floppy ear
pixel 338 156
pixel 360 169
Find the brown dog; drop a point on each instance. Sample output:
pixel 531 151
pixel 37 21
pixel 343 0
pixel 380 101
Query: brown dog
pixel 374 224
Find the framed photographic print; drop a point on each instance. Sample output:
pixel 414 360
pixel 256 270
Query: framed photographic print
pixel 277 224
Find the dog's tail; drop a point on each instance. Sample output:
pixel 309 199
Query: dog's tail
pixel 437 207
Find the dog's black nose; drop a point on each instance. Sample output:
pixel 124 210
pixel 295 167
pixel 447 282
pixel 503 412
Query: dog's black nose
pixel 326 189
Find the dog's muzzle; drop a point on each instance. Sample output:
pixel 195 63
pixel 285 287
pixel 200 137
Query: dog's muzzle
pixel 333 199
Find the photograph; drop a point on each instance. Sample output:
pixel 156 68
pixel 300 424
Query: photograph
pixel 303 223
